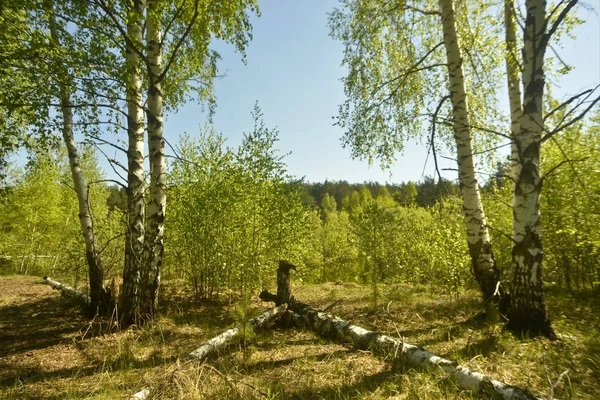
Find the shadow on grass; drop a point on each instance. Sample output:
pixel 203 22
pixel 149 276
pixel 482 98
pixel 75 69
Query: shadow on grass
pixel 95 366
pixel 38 324
pixel 360 389
pixel 274 364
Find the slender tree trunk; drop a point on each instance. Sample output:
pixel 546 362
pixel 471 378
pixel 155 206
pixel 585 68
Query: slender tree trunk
pixel 99 297
pixel 153 253
pixel 478 239
pixel 514 88
pixel 527 312
pixel 134 247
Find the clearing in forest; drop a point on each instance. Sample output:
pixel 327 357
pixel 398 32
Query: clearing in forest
pixel 49 350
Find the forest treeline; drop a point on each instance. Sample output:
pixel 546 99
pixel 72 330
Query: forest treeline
pixel 236 211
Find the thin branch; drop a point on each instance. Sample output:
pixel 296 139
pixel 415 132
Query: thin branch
pixel 108 180
pixel 124 34
pixel 178 13
pixel 559 57
pixel 566 103
pixel 124 150
pixel 409 70
pixel 571 122
pixel 109 241
pixel 403 77
pixel 563 14
pixel 422 11
pixel 183 37
pixel 433 124
pixel 100 105
pixel 570 164
pixel 112 160
pixel 489 150
pixel 449 121
pixel 501 233
pixel 551 170
pixel 109 162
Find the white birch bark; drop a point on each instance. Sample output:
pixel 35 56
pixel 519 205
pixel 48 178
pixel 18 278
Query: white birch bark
pixel 330 326
pixel 221 341
pixel 153 253
pixel 68 291
pixel 527 311
pixel 135 162
pixel 100 299
pixel 514 88
pixel 478 238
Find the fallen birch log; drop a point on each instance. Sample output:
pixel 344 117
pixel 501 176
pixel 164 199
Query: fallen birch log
pixel 68 291
pixel 221 341
pixel 330 326
pixel 225 338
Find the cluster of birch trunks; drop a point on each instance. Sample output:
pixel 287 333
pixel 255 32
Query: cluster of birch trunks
pixel 331 327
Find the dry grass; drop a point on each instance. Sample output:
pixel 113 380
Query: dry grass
pixel 49 350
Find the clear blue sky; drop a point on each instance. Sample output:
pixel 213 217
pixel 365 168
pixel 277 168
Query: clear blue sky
pixel 293 70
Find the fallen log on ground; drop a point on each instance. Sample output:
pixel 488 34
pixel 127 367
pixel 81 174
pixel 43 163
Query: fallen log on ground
pixel 221 341
pixel 330 326
pixel 68 291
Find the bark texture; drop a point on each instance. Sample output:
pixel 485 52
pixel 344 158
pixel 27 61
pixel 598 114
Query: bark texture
pixel 154 249
pixel 284 289
pixel 480 246
pixel 527 311
pixel 514 88
pixel 134 250
pixel 332 327
pixel 100 297
pixel 68 291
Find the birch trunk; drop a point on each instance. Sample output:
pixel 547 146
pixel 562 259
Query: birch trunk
pixel 100 301
pixel 527 311
pixel 478 239
pixel 514 88
pixel 135 178
pixel 332 327
pixel 153 252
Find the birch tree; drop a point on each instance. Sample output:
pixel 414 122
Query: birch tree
pixel 480 246
pixel 100 299
pixel 176 62
pixel 527 312
pixel 394 53
pixel 136 207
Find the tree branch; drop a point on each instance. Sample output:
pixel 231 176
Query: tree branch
pixel 551 170
pixel 571 122
pixel 178 13
pixel 433 124
pixel 183 37
pixel 117 24
pixel 124 150
pixel 563 14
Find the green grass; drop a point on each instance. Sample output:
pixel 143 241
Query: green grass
pixel 51 351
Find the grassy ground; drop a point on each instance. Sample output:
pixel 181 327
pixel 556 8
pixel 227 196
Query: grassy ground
pixel 49 350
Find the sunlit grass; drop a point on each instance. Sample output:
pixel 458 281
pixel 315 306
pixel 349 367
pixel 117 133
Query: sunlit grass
pixel 97 361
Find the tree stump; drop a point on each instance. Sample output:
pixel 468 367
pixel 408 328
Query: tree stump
pixel 284 289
